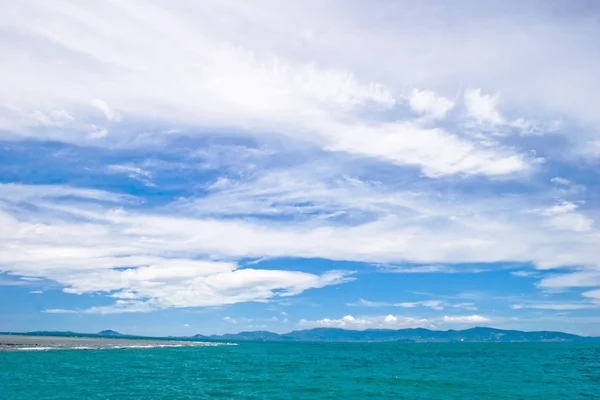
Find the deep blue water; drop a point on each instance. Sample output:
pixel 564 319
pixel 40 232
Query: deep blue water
pixel 308 371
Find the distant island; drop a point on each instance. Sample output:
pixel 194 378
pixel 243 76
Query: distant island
pixel 413 335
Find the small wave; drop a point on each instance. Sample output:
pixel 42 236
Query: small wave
pixel 126 346
pixel 159 346
pixel 134 346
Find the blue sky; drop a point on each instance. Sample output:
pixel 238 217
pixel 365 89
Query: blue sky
pixel 179 168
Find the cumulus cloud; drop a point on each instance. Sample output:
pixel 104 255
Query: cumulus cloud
pixel 184 283
pixel 483 107
pixel 391 322
pixel 465 319
pixel 564 216
pixel 103 107
pixel 429 103
pixel 350 322
pixel 390 319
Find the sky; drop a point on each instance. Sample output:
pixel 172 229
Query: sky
pixel 173 168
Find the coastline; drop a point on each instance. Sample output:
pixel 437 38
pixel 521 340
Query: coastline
pixel 41 343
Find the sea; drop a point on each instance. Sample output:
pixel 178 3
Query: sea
pixel 273 370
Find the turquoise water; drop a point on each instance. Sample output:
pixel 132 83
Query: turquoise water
pixel 308 371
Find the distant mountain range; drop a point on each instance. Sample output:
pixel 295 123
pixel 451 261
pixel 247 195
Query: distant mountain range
pixel 418 335
pixel 404 335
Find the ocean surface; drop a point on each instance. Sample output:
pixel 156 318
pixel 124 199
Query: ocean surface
pixel 307 371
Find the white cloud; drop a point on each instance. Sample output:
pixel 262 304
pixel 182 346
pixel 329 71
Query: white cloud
pixel 278 75
pixel 523 274
pixel 390 319
pixel 567 188
pixel 119 308
pixel 181 283
pixel 56 118
pixel 129 169
pixel 10 281
pixel 391 322
pixel 593 294
pixel 269 72
pixel 246 83
pixel 19 193
pixel 560 181
pixel 133 172
pixel 555 305
pixel 486 229
pixel 434 304
pixel 301 191
pixel 572 221
pixel 179 261
pixel 150 275
pixel 103 107
pixel 429 103
pixel 564 216
pixel 433 150
pixel 420 269
pixel 465 319
pixel 482 107
pixel 96 132
pixel 584 278
pixel 350 322
pixel 561 208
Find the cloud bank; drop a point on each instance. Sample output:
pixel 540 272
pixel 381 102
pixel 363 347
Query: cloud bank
pixel 390 135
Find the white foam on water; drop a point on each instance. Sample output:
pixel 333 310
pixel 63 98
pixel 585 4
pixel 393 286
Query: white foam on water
pixel 125 346
pixel 154 346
